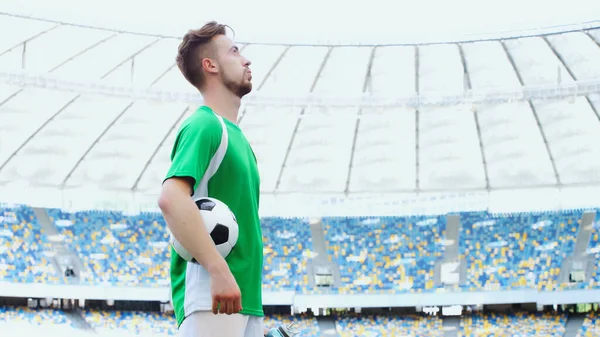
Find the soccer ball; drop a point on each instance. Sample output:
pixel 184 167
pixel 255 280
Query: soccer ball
pixel 220 223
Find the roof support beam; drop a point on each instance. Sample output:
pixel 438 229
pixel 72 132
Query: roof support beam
pixel 163 140
pixel 287 151
pixel 366 85
pixel 535 115
pixel 468 86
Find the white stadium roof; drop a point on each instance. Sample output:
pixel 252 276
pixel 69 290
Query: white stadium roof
pixel 88 117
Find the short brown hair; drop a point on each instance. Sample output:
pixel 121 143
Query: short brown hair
pixel 195 47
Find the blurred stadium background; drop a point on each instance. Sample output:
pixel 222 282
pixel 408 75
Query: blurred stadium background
pixel 433 189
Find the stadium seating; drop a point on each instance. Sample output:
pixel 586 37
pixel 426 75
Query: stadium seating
pixel 594 250
pixel 117 249
pixel 24 322
pixel 516 251
pixel 389 326
pixel 128 323
pixel 287 245
pixel 590 326
pixel 518 324
pixel 23 248
pixel 385 254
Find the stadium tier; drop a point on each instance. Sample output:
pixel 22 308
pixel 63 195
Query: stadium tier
pixel 517 324
pixel 590 326
pixel 24 248
pixel 388 325
pixel 516 251
pixel 385 254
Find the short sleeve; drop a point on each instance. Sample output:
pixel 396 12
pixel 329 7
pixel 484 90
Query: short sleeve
pixel 196 143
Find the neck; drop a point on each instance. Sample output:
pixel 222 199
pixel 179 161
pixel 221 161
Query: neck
pixel 223 103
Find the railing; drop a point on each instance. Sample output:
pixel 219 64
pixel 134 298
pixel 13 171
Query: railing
pixel 543 92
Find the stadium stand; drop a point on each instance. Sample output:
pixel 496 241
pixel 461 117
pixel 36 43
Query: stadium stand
pixel 518 250
pixel 385 254
pixel 518 324
pixel 389 325
pixel 591 326
pixel 287 245
pixel 117 249
pixel 594 250
pixel 23 248
pixel 25 322
pixel 127 323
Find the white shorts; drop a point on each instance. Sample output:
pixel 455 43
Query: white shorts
pixel 207 324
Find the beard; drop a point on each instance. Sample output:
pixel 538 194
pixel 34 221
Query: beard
pixel 240 88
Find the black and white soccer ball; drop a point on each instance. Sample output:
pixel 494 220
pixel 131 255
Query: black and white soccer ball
pixel 220 223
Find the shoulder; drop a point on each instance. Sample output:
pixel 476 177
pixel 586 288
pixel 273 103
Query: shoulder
pixel 201 121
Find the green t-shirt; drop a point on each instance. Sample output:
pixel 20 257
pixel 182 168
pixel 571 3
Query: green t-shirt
pixel 217 156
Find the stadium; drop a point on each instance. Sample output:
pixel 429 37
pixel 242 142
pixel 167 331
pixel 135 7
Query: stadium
pixel 440 188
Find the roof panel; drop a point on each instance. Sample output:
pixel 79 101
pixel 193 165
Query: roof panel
pixel 288 77
pixel 595 33
pixel 58 45
pixel 385 151
pixel 20 30
pixel 393 71
pixel 536 63
pixel 52 153
pixel 263 58
pixel 24 113
pixel 7 90
pixel 12 60
pixel 580 53
pixel 595 101
pixel 174 81
pixel 573 134
pixel 152 63
pixel 514 149
pixel 320 153
pixel 269 131
pixel 440 70
pixel 345 71
pixel 121 154
pixel 154 174
pixel 98 61
pixel 489 67
pixel 449 153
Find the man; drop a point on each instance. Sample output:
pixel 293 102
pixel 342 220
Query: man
pixel 212 158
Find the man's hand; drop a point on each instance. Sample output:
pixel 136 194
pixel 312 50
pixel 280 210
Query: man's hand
pixel 226 295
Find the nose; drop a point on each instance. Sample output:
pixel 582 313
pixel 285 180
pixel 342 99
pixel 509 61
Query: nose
pixel 247 62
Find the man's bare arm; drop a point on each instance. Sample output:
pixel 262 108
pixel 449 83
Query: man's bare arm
pixel 186 225
pixel 185 222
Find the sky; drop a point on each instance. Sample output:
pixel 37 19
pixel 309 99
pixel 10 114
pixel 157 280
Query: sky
pixel 318 21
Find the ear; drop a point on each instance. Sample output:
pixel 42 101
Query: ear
pixel 210 65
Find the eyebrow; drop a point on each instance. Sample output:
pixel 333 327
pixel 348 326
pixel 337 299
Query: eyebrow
pixel 235 48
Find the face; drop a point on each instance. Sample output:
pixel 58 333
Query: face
pixel 234 69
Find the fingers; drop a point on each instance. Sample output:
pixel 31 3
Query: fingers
pixel 237 305
pixel 227 306
pixel 215 305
